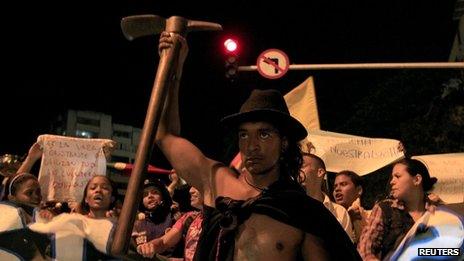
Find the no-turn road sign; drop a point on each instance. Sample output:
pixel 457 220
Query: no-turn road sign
pixel 272 63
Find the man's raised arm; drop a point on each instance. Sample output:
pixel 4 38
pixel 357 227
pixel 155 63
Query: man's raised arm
pixel 188 161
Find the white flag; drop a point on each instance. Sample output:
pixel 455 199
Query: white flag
pixel 301 102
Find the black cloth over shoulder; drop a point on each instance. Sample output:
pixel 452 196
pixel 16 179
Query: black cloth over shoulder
pixel 283 201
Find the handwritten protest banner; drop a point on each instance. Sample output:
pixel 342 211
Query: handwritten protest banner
pixel 68 164
pixel 348 152
pixel 449 170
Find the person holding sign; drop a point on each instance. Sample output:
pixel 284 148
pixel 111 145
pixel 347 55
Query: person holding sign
pixel 35 153
pixel 391 219
pixel 23 189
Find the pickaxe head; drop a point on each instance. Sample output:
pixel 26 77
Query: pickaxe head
pixel 142 25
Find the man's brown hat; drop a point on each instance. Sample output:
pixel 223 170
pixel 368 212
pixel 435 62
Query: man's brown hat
pixel 268 106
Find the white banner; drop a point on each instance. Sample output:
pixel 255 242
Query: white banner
pixel 348 152
pixel 449 170
pixel 68 164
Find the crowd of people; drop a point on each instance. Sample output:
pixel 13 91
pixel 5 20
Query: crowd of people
pixel 275 207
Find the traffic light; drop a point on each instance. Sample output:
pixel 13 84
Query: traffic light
pixel 231 66
pixel 231 61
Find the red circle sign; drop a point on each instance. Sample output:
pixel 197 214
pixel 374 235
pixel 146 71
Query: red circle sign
pixel 272 63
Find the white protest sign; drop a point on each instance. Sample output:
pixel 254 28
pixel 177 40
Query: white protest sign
pixel 449 170
pixel 68 164
pixel 348 152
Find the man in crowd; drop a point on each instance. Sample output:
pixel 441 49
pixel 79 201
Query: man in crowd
pixel 314 173
pixel 263 213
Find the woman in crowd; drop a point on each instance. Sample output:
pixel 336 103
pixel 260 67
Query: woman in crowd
pixel 21 197
pixel 21 190
pixel 391 219
pixel 99 198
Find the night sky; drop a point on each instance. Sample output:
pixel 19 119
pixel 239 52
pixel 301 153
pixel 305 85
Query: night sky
pixel 72 55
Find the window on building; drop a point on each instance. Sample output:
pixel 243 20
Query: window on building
pixel 86 134
pixel 87 121
pixel 122 134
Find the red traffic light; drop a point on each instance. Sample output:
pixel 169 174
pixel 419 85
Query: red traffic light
pixel 230 45
pixel 231 57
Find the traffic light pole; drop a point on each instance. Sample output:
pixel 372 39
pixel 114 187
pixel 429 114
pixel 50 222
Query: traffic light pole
pixel 350 66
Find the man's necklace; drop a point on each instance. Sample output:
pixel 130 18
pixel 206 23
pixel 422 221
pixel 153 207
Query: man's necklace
pixel 254 186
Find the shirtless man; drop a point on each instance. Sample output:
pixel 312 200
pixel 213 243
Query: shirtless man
pixel 266 225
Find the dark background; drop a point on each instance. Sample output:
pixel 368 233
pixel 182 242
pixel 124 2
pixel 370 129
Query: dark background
pixel 72 55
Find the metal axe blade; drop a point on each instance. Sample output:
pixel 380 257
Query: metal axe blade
pixel 141 25
pixel 202 26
